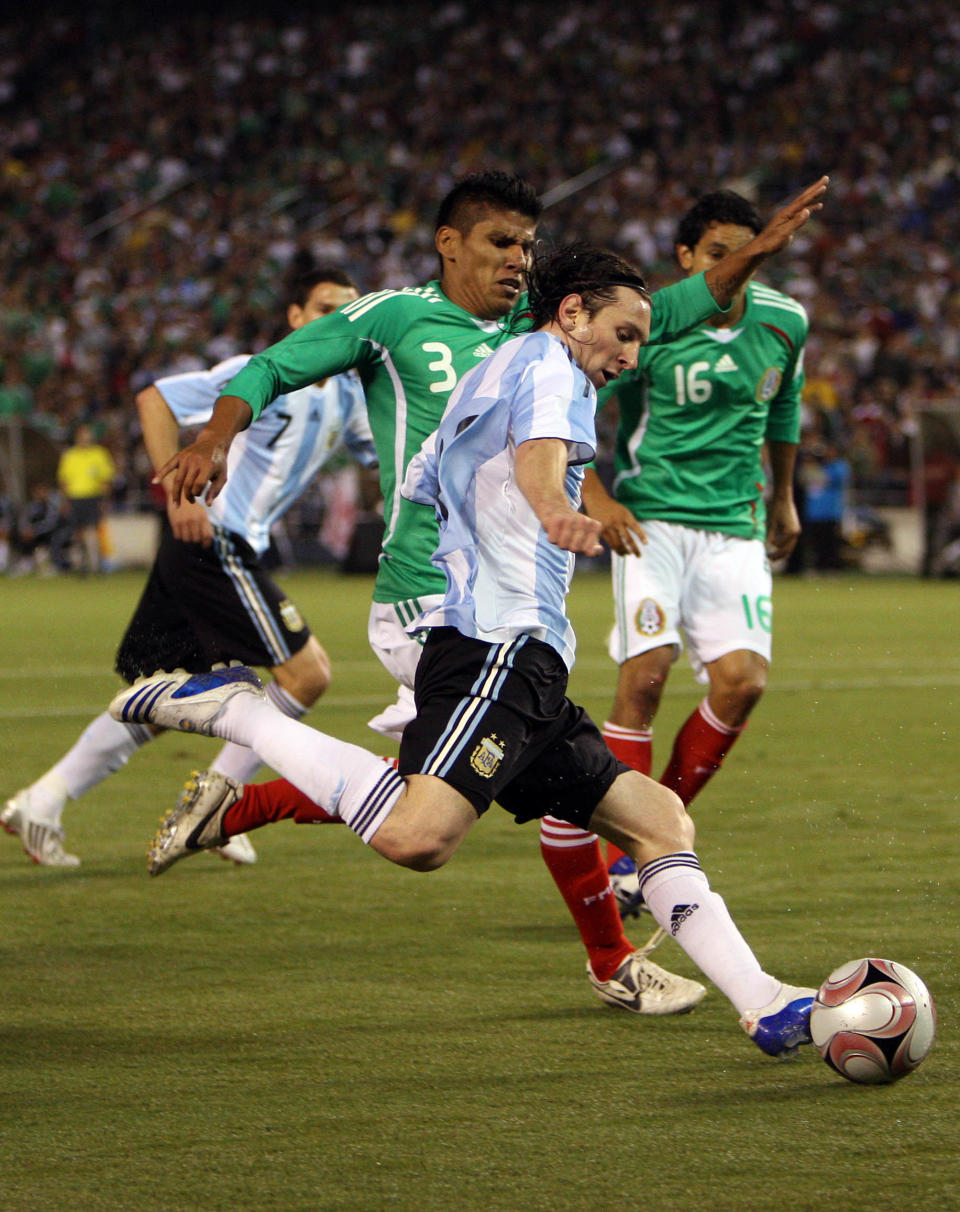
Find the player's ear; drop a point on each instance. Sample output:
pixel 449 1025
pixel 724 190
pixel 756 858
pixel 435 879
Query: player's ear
pixel 570 312
pixel 684 255
pixel 447 242
pixel 295 315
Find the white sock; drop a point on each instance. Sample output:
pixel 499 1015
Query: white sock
pixel 343 779
pixel 240 763
pixel 104 747
pixel 678 895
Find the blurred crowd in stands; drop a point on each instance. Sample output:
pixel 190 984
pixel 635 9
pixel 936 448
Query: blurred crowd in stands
pixel 159 173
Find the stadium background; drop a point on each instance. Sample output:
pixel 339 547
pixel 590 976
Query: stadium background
pixel 159 174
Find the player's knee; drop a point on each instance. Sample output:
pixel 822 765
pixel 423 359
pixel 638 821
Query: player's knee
pixel 420 852
pixel 641 685
pixel 745 692
pixel 671 825
pixel 307 675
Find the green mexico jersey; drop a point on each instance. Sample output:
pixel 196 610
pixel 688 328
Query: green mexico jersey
pixel 410 348
pixel 694 416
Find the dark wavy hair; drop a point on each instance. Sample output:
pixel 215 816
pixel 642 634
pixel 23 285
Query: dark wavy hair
pixel 578 269
pixel 722 206
pixel 470 196
pixel 305 276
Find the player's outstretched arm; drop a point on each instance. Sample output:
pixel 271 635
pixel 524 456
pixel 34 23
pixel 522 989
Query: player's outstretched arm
pixel 726 277
pixel 541 466
pixel 621 531
pixel 204 462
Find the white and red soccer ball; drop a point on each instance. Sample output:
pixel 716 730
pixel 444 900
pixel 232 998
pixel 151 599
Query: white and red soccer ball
pixel 873 1021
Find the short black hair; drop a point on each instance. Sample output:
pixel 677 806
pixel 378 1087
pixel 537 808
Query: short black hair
pixel 721 206
pixel 578 269
pixel 463 205
pixel 304 278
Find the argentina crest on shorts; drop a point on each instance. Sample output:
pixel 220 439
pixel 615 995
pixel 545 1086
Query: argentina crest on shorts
pixel 487 756
pixel 292 618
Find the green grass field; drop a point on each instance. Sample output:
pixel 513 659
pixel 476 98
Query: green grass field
pixel 325 1031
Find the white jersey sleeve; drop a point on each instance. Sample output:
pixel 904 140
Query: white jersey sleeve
pixel 192 395
pixel 272 461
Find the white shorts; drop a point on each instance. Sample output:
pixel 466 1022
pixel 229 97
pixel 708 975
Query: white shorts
pixel 714 587
pixel 399 653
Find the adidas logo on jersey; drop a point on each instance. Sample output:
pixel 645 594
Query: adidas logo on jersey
pixel 482 351
pixel 725 365
pixel 679 916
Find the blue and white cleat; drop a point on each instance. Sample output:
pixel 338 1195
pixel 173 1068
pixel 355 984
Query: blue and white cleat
pixel 780 1027
pixel 187 702
pixel 625 882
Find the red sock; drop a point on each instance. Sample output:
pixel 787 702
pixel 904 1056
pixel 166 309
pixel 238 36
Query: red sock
pixel 575 861
pixel 698 752
pixel 634 747
pixel 265 803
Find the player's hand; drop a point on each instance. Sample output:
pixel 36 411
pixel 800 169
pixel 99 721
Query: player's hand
pixel 198 467
pixel 573 531
pixel 790 218
pixel 783 529
pixel 620 530
pixel 189 522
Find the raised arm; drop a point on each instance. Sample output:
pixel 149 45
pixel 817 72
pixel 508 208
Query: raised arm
pixel 541 468
pixel 726 277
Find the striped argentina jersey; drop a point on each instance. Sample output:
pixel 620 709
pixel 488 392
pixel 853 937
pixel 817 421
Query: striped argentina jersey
pixel 695 414
pixel 272 461
pixel 504 578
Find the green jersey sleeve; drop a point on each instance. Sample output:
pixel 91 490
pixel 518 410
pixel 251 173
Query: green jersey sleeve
pixel 327 346
pixel 679 307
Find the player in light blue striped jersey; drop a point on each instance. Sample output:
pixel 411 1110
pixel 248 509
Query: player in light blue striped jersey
pixel 208 598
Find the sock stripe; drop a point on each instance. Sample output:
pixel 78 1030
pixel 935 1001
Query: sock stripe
pixel 682 859
pixel 621 732
pixel 708 714
pixel 284 701
pixel 368 815
pixel 562 835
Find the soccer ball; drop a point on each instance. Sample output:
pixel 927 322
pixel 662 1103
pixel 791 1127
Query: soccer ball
pixel 873 1021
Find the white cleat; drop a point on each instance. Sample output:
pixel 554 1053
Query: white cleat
pixel 782 1025
pixel 187 702
pixel 197 821
pixel 643 987
pixel 41 842
pixel 238 850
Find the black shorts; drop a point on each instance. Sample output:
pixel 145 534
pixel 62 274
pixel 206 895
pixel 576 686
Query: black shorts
pixel 494 721
pixel 85 512
pixel 202 605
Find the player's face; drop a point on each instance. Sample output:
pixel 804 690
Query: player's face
pixel 718 240
pixel 485 269
pixel 322 300
pixel 608 342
